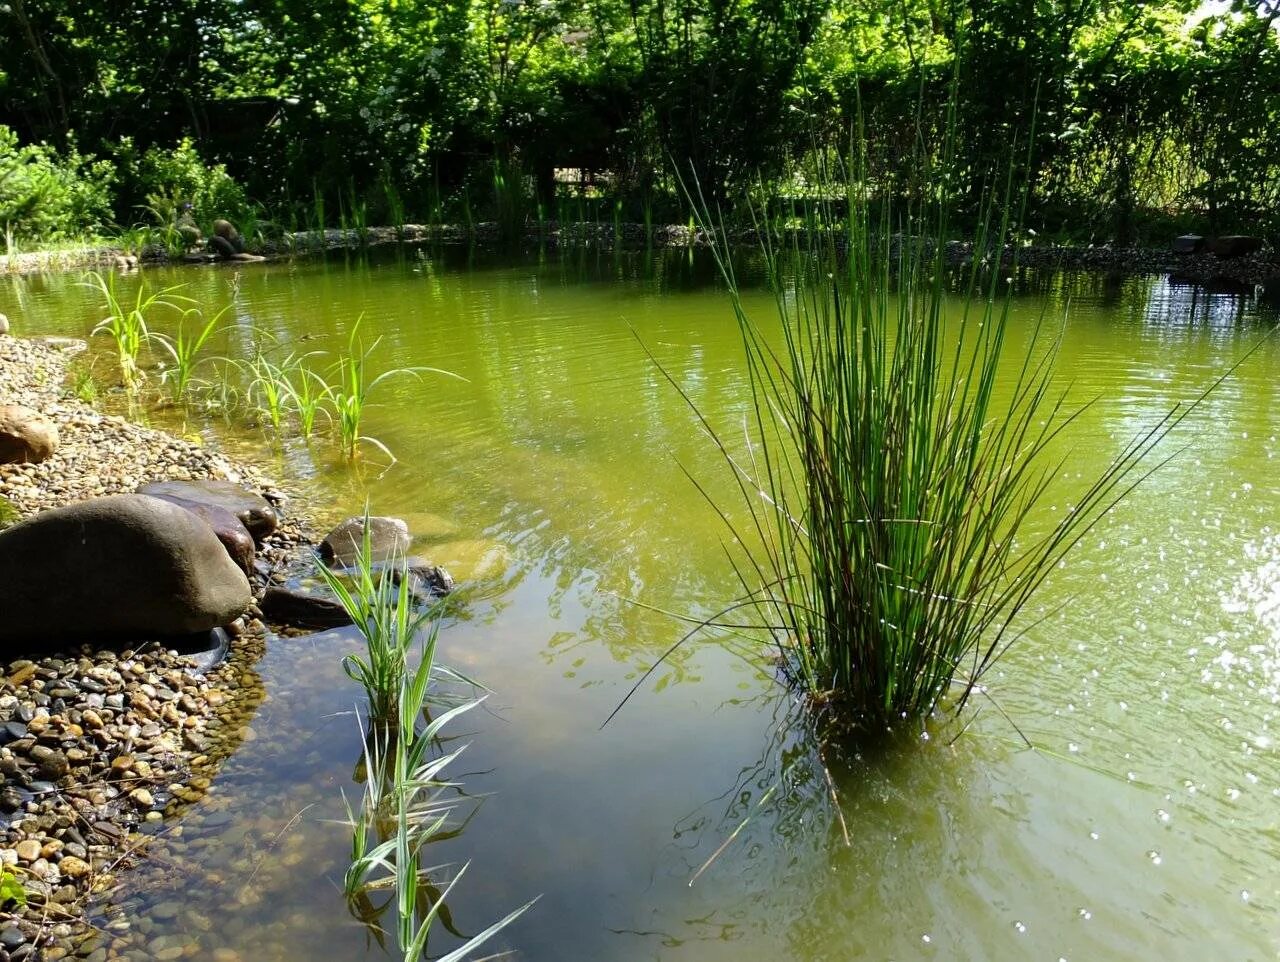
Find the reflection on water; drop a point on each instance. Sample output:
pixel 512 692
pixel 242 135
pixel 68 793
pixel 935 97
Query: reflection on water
pixel 1143 825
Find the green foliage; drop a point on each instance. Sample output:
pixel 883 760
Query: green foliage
pixel 1119 113
pixel 184 352
pixel 11 889
pixel 45 195
pixel 404 806
pixel 8 513
pixel 126 324
pixel 166 178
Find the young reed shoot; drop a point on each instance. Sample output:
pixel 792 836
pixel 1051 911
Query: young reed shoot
pixel 308 393
pixel 405 806
pixel 125 323
pixel 350 386
pixel 382 606
pixel 184 351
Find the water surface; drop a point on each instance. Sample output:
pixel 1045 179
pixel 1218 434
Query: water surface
pixel 1147 825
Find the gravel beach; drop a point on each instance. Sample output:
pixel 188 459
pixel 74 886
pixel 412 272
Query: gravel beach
pixel 98 745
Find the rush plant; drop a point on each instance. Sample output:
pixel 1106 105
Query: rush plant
pixel 887 523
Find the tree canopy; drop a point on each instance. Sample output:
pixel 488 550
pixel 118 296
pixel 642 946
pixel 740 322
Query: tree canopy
pixel 1111 111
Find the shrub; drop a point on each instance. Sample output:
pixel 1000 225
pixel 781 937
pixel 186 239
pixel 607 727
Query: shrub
pixel 45 195
pixel 161 179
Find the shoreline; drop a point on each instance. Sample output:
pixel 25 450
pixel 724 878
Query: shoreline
pixel 98 747
pixel 1257 269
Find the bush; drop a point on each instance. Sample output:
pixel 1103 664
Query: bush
pixel 46 196
pixel 161 179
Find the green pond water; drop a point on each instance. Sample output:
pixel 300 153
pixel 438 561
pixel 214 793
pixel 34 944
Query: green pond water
pixel 1148 826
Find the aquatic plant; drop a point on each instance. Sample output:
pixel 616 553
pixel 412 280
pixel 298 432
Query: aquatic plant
pixel 83 384
pixel 126 324
pixel 403 804
pixel 382 606
pixel 307 393
pixel 268 386
pixel 349 389
pixel 896 453
pixel 184 351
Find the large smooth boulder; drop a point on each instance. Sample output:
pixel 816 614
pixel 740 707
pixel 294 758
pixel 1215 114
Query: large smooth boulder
pixel 1235 245
pixel 26 436
pixel 388 541
pixel 124 566
pixel 230 530
pixel 253 510
pixel 1188 244
pixel 4 324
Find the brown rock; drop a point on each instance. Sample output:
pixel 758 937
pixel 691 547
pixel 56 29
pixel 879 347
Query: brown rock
pixel 73 867
pixel 122 566
pixel 230 530
pixel 300 609
pixel 26 436
pixel 388 541
pixel 253 510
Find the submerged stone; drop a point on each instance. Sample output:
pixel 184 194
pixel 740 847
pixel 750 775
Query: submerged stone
pixel 254 511
pixel 388 541
pixel 302 609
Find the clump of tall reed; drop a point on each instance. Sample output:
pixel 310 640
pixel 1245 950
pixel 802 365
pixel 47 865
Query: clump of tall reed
pixel 270 387
pixel 886 538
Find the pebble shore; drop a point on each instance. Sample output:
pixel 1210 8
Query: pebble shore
pixel 97 746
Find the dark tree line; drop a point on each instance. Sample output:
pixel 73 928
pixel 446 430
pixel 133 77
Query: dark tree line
pixel 1121 116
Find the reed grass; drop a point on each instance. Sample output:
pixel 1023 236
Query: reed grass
pixel 404 805
pixel 308 394
pixel 382 608
pixel 268 386
pixel 350 387
pixel 184 350
pixel 884 528
pixel 126 324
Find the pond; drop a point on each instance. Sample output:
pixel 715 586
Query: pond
pixel 1145 824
